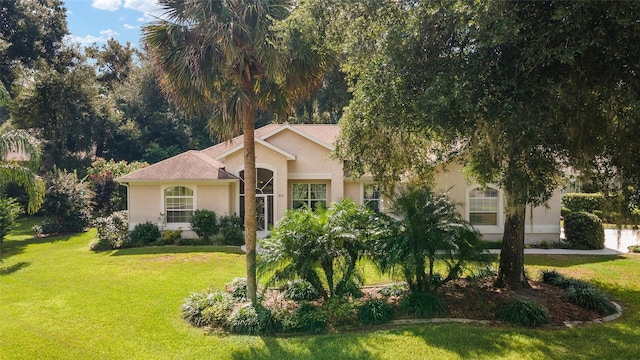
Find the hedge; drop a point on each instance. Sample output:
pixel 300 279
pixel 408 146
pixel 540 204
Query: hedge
pixel 576 202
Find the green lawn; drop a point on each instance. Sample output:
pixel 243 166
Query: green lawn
pixel 58 300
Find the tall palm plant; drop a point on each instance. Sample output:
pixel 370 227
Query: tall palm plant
pixel 22 173
pixel 226 59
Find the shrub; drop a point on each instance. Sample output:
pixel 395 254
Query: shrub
pixel 67 203
pixel 193 242
pixel 195 305
pixel 230 227
pixel 587 296
pixel 109 196
pixel 422 305
pixel 374 312
pixel 523 312
pixel 349 287
pixel 584 230
pixel 269 322
pixel 112 230
pixel 634 249
pixel 340 311
pixel 218 311
pixel 393 289
pixel 204 223
pixel 170 237
pixel 577 202
pixel 552 277
pixel 307 318
pixel 244 320
pixel 143 234
pixel 238 289
pixel 300 290
pixel 10 209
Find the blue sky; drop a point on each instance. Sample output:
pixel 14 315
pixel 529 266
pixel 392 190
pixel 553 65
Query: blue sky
pixel 95 21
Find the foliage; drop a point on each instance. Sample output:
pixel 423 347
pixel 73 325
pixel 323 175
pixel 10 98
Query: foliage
pixel 584 230
pixel 244 320
pixel 307 319
pixel 171 237
pixel 393 289
pixel 429 231
pixel 22 173
pixel 109 195
pixel 523 312
pixel 204 223
pixel 590 298
pixel 217 313
pixel 67 203
pixel 112 230
pixel 9 212
pixel 195 305
pixel 375 312
pixel 238 288
pixel 269 322
pixel 552 277
pixel 300 290
pixel 340 311
pixel 143 234
pixel 230 228
pixel 422 305
pixel 319 244
pixel 577 202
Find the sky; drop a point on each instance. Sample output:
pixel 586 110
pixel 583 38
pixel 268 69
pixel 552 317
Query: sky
pixel 95 21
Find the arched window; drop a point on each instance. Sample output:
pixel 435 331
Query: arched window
pixel 178 204
pixel 483 206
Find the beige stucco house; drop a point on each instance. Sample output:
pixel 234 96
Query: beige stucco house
pixel 294 168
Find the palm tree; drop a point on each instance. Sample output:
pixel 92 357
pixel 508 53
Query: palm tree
pixel 226 59
pixel 22 172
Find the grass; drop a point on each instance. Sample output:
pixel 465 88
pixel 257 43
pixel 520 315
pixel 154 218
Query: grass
pixel 58 300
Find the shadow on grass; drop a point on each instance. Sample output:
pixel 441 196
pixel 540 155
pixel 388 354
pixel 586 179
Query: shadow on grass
pixel 569 260
pixel 13 247
pixel 172 249
pixel 13 268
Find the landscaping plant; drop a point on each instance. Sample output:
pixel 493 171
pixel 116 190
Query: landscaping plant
pixel 375 312
pixel 523 312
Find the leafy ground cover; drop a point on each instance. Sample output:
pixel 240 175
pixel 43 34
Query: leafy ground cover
pixel 58 300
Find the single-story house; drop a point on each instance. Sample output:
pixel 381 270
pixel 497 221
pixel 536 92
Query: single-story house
pixel 294 168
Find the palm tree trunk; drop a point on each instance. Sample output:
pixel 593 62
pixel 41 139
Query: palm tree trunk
pixel 248 127
pixel 511 272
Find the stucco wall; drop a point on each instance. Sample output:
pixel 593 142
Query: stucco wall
pixel 544 225
pixel 215 198
pixel 145 203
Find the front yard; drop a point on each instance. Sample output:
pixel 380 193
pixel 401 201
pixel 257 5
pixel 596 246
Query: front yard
pixel 58 300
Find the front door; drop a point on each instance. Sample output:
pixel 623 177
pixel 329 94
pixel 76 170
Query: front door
pixel 262 218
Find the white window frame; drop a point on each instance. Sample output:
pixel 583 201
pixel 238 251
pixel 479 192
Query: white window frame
pixel 309 200
pixel 499 213
pixel 177 225
pixel 377 200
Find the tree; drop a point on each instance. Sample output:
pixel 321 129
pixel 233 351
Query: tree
pixel 227 59
pixel 519 90
pixel 22 173
pixel 114 61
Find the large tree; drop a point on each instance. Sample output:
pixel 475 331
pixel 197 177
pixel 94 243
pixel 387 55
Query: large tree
pixel 226 59
pixel 518 90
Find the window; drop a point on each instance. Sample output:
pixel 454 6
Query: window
pixel 310 194
pixel 483 206
pixel 372 198
pixel 178 204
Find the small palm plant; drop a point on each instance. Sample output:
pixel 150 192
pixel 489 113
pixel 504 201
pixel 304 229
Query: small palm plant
pixel 429 231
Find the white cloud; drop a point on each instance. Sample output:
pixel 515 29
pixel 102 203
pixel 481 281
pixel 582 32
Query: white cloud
pixel 110 5
pixel 145 6
pixel 130 27
pixel 85 40
pixel 109 33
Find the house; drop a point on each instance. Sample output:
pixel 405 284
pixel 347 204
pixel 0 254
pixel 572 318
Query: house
pixel 294 168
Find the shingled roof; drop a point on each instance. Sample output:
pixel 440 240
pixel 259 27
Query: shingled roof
pixel 190 165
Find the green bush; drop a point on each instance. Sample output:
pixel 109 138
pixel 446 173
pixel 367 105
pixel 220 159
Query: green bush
pixel 10 209
pixel 308 319
pixel 231 228
pixel 269 322
pixel 244 320
pixel 552 277
pixel 67 204
pixel 577 202
pixel 393 289
pixel 170 237
pixel 587 296
pixel 143 234
pixel 564 211
pixel 300 290
pixel 238 288
pixel 422 305
pixel 193 242
pixel 374 312
pixel 584 230
pixel 340 311
pixel 112 230
pixel 204 223
pixel 523 312
pixel 194 309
